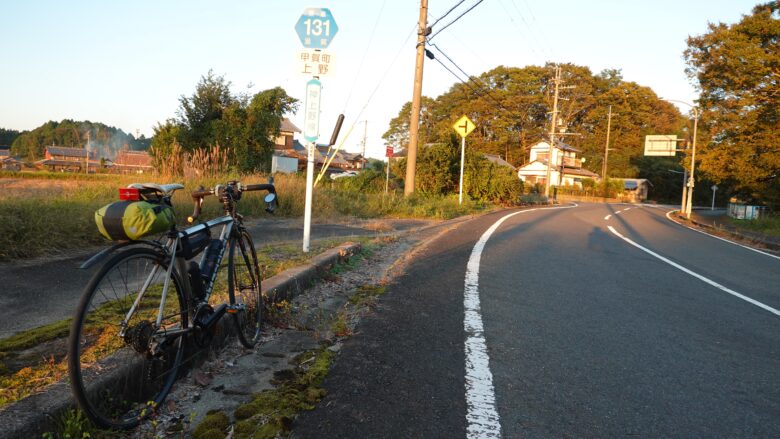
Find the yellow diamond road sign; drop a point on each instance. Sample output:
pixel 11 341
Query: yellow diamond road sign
pixel 464 126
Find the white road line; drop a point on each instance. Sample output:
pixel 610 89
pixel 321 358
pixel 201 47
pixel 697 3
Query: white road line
pixel 481 413
pixel 718 237
pixel 606 218
pixel 626 209
pixel 696 275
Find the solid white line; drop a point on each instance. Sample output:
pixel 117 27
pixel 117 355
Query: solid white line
pixel 606 218
pixel 481 413
pixel 718 237
pixel 696 275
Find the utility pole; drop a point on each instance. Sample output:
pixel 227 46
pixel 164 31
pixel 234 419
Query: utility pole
pixel 365 133
pixel 556 81
pixel 689 200
pixel 606 155
pixel 414 123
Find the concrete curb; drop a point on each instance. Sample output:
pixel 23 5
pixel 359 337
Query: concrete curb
pixel 41 412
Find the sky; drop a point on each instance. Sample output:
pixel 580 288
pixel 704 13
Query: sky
pixel 126 64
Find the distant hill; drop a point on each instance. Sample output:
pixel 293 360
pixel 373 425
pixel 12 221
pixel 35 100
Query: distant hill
pixel 106 141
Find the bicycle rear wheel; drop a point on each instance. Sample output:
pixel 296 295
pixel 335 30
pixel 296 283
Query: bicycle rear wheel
pixel 246 304
pixel 118 380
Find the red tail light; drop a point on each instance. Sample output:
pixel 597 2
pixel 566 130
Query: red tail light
pixel 129 194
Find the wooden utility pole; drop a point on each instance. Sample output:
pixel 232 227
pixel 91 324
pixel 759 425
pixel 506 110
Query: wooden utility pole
pixel 557 82
pixel 606 147
pixel 414 122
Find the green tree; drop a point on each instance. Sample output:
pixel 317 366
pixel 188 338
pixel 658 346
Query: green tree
pixel 245 125
pixel 7 137
pixel 737 69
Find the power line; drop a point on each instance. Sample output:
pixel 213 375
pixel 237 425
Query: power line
pixel 362 60
pixel 481 84
pixel 447 13
pixel 456 19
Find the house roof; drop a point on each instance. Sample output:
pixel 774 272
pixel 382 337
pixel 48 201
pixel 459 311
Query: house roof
pixel 133 158
pixel 579 171
pixel 498 161
pixel 558 144
pixel 5 153
pixel 67 151
pixel 288 126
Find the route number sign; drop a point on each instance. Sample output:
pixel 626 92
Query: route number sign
pixel 464 126
pixel 316 28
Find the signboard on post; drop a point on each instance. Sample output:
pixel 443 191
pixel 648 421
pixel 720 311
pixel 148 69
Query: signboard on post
pixel 662 145
pixel 311 123
pixel 315 62
pixel 316 28
pixel 388 151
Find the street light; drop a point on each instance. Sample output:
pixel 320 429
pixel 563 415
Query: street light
pixel 687 200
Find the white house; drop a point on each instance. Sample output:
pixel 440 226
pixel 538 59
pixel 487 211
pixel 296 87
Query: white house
pixel 564 159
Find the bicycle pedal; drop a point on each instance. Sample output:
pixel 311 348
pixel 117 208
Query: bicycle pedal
pixel 214 317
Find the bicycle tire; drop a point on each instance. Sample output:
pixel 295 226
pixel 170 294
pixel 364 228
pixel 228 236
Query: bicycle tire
pixel 116 385
pixel 246 304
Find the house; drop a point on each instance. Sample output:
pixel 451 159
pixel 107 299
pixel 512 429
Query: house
pixel 566 168
pixel 286 147
pixel 132 162
pixel 61 158
pixel 8 162
pixel 286 138
pixel 635 189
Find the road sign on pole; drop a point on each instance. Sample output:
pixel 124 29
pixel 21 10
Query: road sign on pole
pixel 464 126
pixel 316 28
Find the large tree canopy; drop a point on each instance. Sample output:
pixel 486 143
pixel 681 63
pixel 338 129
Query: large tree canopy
pixel 511 108
pixel 737 69
pixel 244 124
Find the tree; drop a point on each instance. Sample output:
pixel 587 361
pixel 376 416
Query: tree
pixel 7 137
pixel 105 141
pixel 737 70
pixel 244 125
pixel 511 108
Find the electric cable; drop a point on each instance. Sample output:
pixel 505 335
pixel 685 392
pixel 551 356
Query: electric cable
pixel 456 19
pixel 447 13
pixel 365 54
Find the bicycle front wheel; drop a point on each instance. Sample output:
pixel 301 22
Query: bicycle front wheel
pixel 121 363
pixel 246 304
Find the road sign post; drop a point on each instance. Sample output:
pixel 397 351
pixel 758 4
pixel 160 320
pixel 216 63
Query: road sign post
pixel 714 189
pixel 464 126
pixel 316 29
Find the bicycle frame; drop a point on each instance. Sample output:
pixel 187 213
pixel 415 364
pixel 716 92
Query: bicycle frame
pixel 227 222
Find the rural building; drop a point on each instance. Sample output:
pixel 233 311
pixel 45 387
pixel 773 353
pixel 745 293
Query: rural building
pixel 61 158
pixel 132 162
pixel 9 162
pixel 566 168
pixel 636 189
pixel 287 147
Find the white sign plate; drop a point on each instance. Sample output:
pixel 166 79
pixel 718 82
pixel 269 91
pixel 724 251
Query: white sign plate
pixel 662 145
pixel 313 62
pixel 311 124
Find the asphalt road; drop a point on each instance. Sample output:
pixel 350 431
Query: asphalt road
pixel 36 292
pixel 584 334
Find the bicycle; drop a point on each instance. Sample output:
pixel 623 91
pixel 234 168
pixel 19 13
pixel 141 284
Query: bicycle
pixel 129 335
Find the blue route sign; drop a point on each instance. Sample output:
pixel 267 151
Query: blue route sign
pixel 316 28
